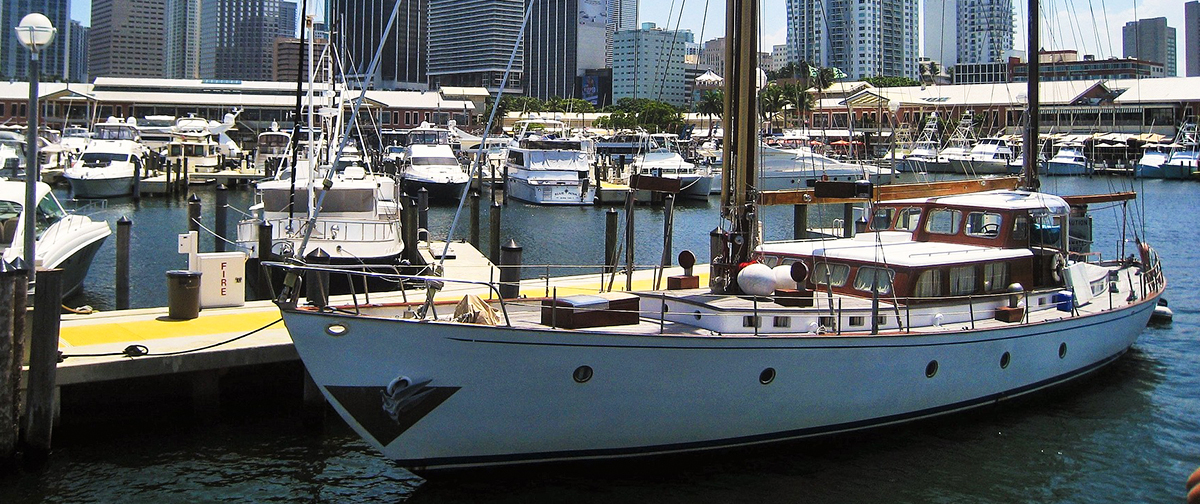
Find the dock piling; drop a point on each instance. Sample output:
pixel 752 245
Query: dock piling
pixel 264 255
pixel 220 226
pixel 193 213
pixel 316 283
pixel 510 270
pixel 43 367
pixel 8 361
pixel 408 228
pixel 183 181
pixel 610 240
pixel 507 185
pixel 167 173
pixel 423 214
pixel 630 198
pixel 137 179
pixel 494 230
pixel 799 222
pixel 474 235
pixel 124 225
pixel 20 327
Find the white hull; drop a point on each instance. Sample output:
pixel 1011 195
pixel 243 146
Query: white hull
pixel 544 191
pixel 100 187
pixel 503 395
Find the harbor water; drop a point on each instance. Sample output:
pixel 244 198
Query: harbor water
pixel 1126 434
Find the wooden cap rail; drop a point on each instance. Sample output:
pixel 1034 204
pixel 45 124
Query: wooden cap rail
pixel 892 192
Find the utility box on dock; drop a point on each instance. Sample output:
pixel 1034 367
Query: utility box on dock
pixel 223 282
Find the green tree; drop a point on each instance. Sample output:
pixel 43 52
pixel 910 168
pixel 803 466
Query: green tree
pixel 799 99
pixel 770 102
pixel 712 103
pixel 880 81
pixel 659 116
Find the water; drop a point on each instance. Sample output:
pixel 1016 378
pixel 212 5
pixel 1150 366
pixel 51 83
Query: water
pixel 1128 434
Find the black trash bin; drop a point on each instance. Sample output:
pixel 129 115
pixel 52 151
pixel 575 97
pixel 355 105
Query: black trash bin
pixel 183 294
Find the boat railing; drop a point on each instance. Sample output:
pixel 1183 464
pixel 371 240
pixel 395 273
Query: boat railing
pixel 84 206
pixel 284 228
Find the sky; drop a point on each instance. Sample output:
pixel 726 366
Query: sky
pixel 1091 26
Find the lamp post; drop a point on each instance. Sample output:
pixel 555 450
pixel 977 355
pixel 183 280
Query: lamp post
pixel 35 33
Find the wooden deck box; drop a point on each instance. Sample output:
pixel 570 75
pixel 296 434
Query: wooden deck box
pixel 683 282
pixel 591 310
pixel 1006 314
pixel 799 298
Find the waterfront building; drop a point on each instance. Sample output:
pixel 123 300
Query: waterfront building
pixel 470 42
pixel 237 38
pixel 359 26
pixel 779 57
pixel 861 39
pixel 1191 38
pixel 560 46
pixel 712 56
pixel 287 58
pixel 648 63
pixel 14 57
pixel 982 73
pixel 77 37
pixel 1150 40
pixel 181 49
pixel 126 38
pixel 622 15
pixel 1065 65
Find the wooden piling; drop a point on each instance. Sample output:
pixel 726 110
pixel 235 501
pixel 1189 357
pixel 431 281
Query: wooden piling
pixel 43 363
pixel 137 179
pixel 220 225
pixel 799 222
pixel 183 181
pixel 630 198
pixel 474 235
pixel 423 214
pixel 167 172
pixel 610 240
pixel 20 326
pixel 264 255
pixel 124 225
pixel 194 213
pixel 847 220
pixel 9 361
pixel 494 230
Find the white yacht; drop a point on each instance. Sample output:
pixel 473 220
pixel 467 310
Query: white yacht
pixel 800 168
pixel 155 131
pixel 63 240
pixel 924 156
pixel 12 154
pixel 107 165
pixel 429 163
pixel 546 167
pixel 75 139
pixel 992 155
pixel 658 155
pixel 958 147
pixel 1069 160
pixel 272 150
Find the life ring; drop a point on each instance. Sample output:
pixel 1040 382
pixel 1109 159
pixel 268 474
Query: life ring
pixel 1057 265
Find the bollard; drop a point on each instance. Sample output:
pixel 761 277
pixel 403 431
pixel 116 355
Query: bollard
pixel 122 275
pixel 630 198
pixel 9 361
pixel 510 270
pixel 316 283
pixel 494 229
pixel 423 214
pixel 220 225
pixel 38 423
pixel 610 240
pixel 474 235
pixel 194 213
pixel 799 222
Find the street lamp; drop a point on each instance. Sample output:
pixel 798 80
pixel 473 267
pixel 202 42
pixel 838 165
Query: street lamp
pixel 35 33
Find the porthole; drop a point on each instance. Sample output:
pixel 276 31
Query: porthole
pixel 336 330
pixel 931 369
pixel 1062 351
pixel 766 376
pixel 1004 360
pixel 697 314
pixel 582 374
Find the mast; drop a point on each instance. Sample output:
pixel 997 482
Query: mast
pixel 738 211
pixel 1031 146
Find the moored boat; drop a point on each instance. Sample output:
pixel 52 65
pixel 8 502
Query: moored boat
pixel 109 163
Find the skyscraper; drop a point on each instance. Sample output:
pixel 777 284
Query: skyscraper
pixel 1150 40
pixel 181 49
pixel 860 38
pixel 648 63
pixel 77 70
pixel 941 31
pixel 287 19
pixel 358 27
pixel 236 38
pixel 1191 38
pixel 126 38
pixel 470 42
pixel 985 30
pixel 622 15
pixel 560 44
pixel 14 57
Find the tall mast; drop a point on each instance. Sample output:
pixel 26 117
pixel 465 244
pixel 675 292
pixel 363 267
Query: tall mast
pixel 1031 127
pixel 739 235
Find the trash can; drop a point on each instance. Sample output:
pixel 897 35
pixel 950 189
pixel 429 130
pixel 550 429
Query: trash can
pixel 183 294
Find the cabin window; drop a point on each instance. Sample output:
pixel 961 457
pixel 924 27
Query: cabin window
pixel 831 274
pixel 882 218
pixel 943 221
pixel 49 211
pixel 909 219
pixel 962 280
pixel 1020 228
pixel 516 158
pixel 983 224
pixel 995 277
pixel 929 284
pixel 880 277
pixel 1047 230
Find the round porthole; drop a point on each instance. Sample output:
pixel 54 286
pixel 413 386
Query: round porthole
pixel 1004 360
pixel 931 369
pixel 582 374
pixel 336 330
pixel 766 376
pixel 1062 350
pixel 697 314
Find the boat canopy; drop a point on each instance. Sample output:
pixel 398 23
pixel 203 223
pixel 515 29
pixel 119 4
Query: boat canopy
pixel 1036 203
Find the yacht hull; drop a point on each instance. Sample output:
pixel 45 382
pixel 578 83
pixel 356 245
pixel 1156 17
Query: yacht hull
pixel 101 187
pixel 550 192
pixel 1059 168
pixel 652 394
pixel 444 191
pixel 1164 171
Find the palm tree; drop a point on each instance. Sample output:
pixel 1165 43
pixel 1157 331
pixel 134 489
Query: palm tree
pixel 799 99
pixel 712 103
pixel 770 102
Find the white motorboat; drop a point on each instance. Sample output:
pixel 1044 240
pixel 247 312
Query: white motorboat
pixel 957 151
pixel 658 155
pixel 1176 160
pixel 1069 160
pixel 429 163
pixel 108 164
pixel 802 168
pixel 989 156
pixel 75 139
pixel 12 154
pixel 272 150
pixel 63 240
pixel 155 131
pixel 546 167
pixel 944 304
pixel 925 156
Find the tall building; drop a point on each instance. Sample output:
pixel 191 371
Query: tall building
pixel 181 49
pixel 288 19
pixel 560 45
pixel 985 30
pixel 1191 38
pixel 1150 40
pixel 648 63
pixel 287 58
pixel 712 56
pixel 863 39
pixel 77 70
pixel 940 29
pixel 359 26
pixel 237 38
pixel 470 42
pixel 126 38
pixel 14 57
pixel 779 57
pixel 622 15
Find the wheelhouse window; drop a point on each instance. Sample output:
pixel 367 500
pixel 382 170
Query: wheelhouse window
pixel 909 219
pixel 995 277
pixel 1020 228
pixel 983 224
pixel 831 274
pixel 881 278
pixel 944 221
pixel 1047 230
pixel 929 284
pixel 882 218
pixel 962 280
